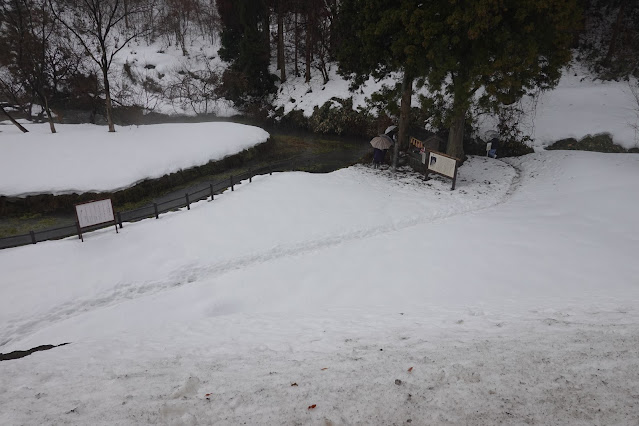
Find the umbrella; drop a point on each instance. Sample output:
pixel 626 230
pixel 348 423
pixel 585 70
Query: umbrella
pixel 390 129
pixel 381 142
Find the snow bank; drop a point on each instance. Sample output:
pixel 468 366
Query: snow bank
pixel 86 158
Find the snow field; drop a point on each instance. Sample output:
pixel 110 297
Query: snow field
pixel 275 217
pixel 514 300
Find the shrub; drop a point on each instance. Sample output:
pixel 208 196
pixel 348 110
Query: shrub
pixel 338 117
pixel 601 142
pixel 294 120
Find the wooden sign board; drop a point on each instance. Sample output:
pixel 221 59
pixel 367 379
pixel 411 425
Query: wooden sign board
pixel 94 213
pixel 416 142
pixel 431 144
pixel 441 164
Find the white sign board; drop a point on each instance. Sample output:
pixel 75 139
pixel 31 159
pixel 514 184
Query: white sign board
pixel 94 213
pixel 442 164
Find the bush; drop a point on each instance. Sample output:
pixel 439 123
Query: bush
pixel 338 117
pixel 294 120
pixel 601 142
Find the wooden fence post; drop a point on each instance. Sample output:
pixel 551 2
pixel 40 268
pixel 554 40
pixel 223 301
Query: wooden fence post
pixel 232 189
pixel 188 203
pixel 77 226
pixel 119 219
pixel 33 238
pixel 250 175
pixel 155 209
pixel 212 195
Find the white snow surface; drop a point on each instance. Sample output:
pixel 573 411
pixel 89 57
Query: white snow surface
pixel 577 107
pixel 87 158
pixel 355 297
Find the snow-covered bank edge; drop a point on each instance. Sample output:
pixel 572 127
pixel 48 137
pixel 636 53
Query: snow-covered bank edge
pixel 86 158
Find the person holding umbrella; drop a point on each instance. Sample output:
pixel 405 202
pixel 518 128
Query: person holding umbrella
pixel 381 144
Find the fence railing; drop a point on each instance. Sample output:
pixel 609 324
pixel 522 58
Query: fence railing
pixel 191 195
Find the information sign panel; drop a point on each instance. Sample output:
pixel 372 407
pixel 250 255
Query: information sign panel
pixel 94 213
pixel 441 164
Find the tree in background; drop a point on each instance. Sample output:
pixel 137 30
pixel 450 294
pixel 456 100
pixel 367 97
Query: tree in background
pixel 491 52
pixel 98 25
pixel 305 28
pixel 246 46
pixel 34 53
pixel 178 18
pixel 281 8
pixel 373 41
pixel 609 41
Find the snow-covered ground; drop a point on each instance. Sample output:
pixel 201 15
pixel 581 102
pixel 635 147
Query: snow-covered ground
pixel 85 158
pixel 355 297
pixel 580 106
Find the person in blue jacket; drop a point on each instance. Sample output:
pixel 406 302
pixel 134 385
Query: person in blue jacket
pixel 494 146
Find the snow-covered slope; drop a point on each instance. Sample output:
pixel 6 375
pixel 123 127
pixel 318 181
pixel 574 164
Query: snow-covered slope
pixel 85 158
pixel 579 106
pixel 372 298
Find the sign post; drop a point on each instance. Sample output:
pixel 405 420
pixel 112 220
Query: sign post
pixel 94 213
pixel 441 164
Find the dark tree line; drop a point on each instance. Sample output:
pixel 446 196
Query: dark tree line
pixel 609 40
pixel 470 53
pixel 300 35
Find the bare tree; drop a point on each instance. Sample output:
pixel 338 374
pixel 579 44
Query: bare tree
pixel 33 51
pixel 13 120
pixel 178 18
pixel 95 24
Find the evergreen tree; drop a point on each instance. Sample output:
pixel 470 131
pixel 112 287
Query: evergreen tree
pixel 245 45
pixel 373 41
pixel 492 52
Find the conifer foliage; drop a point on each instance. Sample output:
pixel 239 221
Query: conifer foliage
pixel 503 47
pixel 246 46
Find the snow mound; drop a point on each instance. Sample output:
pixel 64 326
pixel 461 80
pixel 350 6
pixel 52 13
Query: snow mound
pixel 86 158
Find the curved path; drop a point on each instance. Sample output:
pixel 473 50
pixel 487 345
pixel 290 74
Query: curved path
pixel 469 197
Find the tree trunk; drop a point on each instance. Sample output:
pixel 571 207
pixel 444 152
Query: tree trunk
pixel 107 95
pixel 456 136
pixel 49 115
pixel 18 125
pixel 280 42
pixel 309 54
pixel 267 31
pixel 297 42
pixel 404 117
pixel 126 14
pixel 615 33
